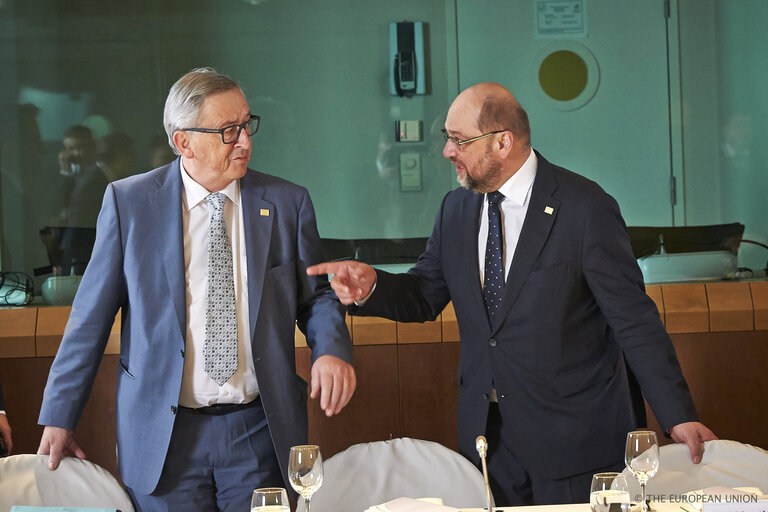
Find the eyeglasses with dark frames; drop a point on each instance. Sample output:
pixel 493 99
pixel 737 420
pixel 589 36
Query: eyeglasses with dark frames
pixel 459 143
pixel 230 134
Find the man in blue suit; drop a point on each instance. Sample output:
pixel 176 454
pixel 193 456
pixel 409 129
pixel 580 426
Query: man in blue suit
pixel 550 304
pixel 210 288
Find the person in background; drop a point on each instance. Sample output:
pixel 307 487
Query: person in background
pixel 117 156
pixel 5 427
pixel 84 180
pixel 206 259
pixel 159 152
pixel 550 304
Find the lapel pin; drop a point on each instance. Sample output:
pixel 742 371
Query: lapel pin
pixel 264 212
pixel 548 210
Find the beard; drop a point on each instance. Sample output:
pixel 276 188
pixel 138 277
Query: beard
pixel 487 174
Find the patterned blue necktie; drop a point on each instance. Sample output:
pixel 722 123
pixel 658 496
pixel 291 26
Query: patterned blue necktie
pixel 493 282
pixel 220 349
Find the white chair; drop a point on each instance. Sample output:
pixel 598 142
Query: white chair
pixel 369 474
pixel 724 463
pixel 26 480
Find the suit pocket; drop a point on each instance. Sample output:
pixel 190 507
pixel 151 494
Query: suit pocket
pixel 581 380
pixel 280 290
pixel 285 272
pixel 124 369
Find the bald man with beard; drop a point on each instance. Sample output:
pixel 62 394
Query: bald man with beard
pixel 551 308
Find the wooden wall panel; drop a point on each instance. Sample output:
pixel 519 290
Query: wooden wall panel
pixel 373 412
pixel 450 324
pixel 759 291
pixel 685 308
pixel 17 336
pixel 428 390
pixel 414 332
pixel 728 377
pixel 23 384
pixel 654 292
pixel 730 307
pixel 370 330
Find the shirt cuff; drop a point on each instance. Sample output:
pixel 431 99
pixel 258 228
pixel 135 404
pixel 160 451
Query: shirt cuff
pixel 360 303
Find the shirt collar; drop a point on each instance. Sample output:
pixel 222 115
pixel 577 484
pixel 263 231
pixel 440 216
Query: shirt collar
pixel 195 193
pixel 518 187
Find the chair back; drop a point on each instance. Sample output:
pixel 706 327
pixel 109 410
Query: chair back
pixel 724 463
pixel 369 474
pixel 26 480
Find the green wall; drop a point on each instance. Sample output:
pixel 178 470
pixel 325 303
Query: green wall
pixel 317 71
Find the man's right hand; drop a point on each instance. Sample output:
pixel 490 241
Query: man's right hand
pixel 57 443
pixel 352 280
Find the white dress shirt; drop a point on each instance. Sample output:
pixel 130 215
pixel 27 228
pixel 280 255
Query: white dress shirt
pixel 517 193
pixel 197 388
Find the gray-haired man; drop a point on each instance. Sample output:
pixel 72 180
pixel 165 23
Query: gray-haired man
pixel 210 286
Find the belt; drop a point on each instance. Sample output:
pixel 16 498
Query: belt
pixel 219 409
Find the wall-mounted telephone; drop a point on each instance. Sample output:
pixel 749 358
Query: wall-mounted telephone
pixel 406 48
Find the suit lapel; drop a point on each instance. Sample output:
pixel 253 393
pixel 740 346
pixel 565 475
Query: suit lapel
pixel 470 216
pixel 542 211
pixel 165 205
pixel 258 216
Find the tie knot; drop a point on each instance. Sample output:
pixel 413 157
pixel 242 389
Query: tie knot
pixel 216 200
pixel 494 198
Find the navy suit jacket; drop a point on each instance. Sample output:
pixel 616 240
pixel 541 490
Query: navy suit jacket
pixel 574 308
pixel 138 265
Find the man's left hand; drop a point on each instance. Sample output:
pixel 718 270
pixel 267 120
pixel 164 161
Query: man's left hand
pixel 693 434
pixel 334 380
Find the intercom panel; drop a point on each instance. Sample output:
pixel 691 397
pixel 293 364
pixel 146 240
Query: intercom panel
pixel 406 52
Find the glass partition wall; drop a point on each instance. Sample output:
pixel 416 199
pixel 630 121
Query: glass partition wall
pixel 84 83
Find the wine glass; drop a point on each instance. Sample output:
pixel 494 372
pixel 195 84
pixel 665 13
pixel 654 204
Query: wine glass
pixel 270 499
pixel 642 458
pixel 305 470
pixel 609 492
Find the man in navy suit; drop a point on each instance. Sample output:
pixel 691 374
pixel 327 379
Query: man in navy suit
pixel 197 431
pixel 542 370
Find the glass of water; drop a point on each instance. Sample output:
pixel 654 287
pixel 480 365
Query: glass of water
pixel 609 493
pixel 642 459
pixel 305 470
pixel 270 499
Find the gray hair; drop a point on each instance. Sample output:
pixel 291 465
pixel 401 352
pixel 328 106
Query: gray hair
pixel 186 97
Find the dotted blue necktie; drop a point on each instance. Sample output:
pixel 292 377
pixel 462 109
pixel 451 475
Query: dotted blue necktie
pixel 220 349
pixel 493 282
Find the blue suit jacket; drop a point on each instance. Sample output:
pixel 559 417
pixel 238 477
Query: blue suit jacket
pixel 574 308
pixel 138 265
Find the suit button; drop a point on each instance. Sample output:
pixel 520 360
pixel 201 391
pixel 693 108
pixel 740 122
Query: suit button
pixel 173 409
pixel 492 342
pixel 485 396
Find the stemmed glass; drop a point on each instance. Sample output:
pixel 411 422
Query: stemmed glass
pixel 609 491
pixel 305 470
pixel 270 499
pixel 642 458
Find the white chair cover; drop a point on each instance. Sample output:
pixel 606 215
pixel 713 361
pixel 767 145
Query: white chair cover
pixel 724 463
pixel 26 480
pixel 369 474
